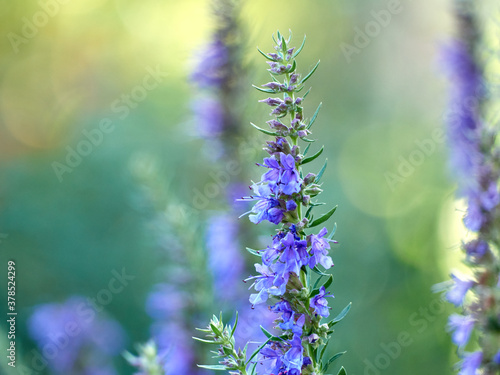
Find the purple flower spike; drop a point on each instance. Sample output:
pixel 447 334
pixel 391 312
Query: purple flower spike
pixel 283 274
pixel 319 248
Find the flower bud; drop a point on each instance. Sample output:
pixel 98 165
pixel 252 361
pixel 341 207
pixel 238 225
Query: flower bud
pixel 275 86
pixel 306 199
pixel 275 56
pixel 309 179
pixel 273 102
pixel 313 190
pixel 277 125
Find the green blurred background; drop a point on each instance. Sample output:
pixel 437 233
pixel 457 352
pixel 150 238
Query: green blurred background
pixel 66 237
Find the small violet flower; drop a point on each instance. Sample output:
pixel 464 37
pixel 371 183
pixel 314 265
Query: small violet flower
pixel 471 363
pixel 320 304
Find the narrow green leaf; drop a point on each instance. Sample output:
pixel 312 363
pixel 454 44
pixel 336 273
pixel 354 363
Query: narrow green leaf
pixel 264 131
pixel 311 158
pixel 271 336
pixel 267 333
pixel 331 360
pixel 235 324
pixel 307 149
pixel 342 371
pixel 283 44
pixel 320 359
pixel 265 54
pixel 341 316
pixel 300 48
pixel 327 283
pixel 320 174
pixel 332 233
pixel 299 89
pixel 214 367
pixel 254 252
pixel 274 39
pixel 205 341
pixel 253 368
pixel 257 351
pixel 317 270
pixel 308 212
pixel 307 92
pixel 313 293
pixel 310 73
pixel 316 204
pixel 267 91
pixel 317 282
pixel 216 331
pixel 203 330
pixel 293 67
pixel 308 140
pixel 323 218
pixel 314 116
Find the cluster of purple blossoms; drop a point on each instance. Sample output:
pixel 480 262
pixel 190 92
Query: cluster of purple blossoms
pixel 471 143
pixel 214 76
pixel 285 197
pixel 475 160
pixel 73 339
pixel 224 258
